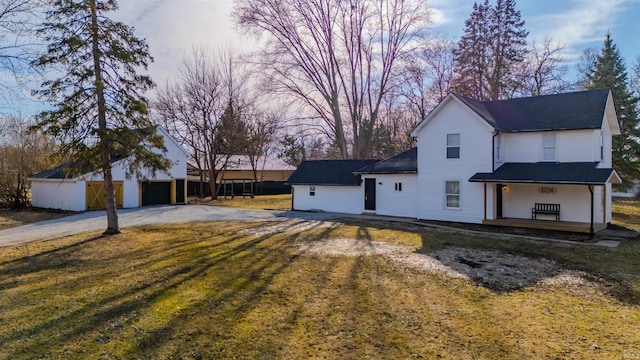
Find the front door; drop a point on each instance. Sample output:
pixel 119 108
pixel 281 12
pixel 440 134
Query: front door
pixel 499 201
pixel 370 194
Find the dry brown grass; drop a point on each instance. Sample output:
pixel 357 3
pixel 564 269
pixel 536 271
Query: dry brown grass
pixel 259 202
pixel 626 213
pixel 13 218
pixel 220 290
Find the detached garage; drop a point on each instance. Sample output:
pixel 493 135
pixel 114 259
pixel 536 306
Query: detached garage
pixel 57 189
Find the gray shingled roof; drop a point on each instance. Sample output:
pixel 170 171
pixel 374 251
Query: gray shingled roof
pixel 403 163
pixel 64 171
pixel 568 111
pixel 547 172
pixel 328 172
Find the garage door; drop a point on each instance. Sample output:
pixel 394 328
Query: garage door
pixel 95 194
pixel 156 193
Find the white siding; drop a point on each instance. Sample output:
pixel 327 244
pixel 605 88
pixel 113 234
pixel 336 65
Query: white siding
pixel 344 199
pixel 396 203
pixel 608 144
pixel 58 194
pixel 571 146
pixel 476 141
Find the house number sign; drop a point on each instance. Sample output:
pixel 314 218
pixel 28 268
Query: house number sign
pixel 547 190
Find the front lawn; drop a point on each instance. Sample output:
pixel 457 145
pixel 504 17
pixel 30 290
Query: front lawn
pixel 12 218
pixel 296 290
pixel 259 202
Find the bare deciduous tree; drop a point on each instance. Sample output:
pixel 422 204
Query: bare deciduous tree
pixel 543 71
pixel 339 57
pixel 193 108
pixel 429 77
pixel 17 48
pixel 22 153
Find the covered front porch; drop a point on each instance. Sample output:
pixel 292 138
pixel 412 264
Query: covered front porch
pixel 573 197
pixel 569 226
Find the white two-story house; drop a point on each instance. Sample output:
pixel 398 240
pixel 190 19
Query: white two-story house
pixel 532 162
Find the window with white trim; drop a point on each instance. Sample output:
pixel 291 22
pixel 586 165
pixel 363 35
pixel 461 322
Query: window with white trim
pixel 453 146
pixel 452 194
pixel 549 147
pixel 498 146
pixel 398 186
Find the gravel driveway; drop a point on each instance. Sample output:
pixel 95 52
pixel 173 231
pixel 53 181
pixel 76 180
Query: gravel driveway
pixel 96 220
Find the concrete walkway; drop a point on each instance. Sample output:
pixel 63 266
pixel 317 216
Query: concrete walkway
pixel 96 221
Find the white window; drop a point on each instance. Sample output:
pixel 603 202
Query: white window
pixel 549 147
pixel 452 194
pixel 453 146
pixel 398 186
pixel 312 191
pixel 498 146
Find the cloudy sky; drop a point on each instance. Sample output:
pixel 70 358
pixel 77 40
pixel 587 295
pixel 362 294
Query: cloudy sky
pixel 173 27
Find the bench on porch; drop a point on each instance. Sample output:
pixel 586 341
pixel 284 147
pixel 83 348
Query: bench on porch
pixel 546 209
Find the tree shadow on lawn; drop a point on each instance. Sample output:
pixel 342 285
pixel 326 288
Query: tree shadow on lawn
pixel 240 267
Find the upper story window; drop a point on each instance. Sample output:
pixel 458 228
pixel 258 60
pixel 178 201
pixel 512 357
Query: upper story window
pixel 453 146
pixel 498 147
pixel 549 147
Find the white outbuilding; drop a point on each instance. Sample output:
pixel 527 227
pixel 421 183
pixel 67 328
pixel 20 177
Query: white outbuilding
pixel 57 189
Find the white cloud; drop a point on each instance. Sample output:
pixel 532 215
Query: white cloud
pixel 173 27
pixel 585 22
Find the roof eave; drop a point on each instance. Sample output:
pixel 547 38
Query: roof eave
pixel 386 172
pixel 558 182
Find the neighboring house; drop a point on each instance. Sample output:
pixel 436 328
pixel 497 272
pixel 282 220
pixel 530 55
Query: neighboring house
pixel 492 161
pixel 270 173
pixel 58 189
pixel 267 168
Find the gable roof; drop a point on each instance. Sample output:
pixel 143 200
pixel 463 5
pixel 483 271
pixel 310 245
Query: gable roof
pixel 328 172
pixel 403 163
pixel 583 173
pixel 68 170
pixel 567 111
pixel 72 170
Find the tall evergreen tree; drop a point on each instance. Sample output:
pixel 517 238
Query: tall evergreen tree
pixel 99 112
pixel 609 71
pixel 490 51
pixel 472 54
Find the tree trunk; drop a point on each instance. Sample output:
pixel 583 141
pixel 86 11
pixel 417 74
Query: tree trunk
pixel 105 148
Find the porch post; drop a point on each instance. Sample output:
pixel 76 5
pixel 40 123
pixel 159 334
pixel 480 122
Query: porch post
pixel 485 201
pixel 591 191
pixel 604 204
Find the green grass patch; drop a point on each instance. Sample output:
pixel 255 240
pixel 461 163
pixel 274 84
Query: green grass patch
pixel 217 290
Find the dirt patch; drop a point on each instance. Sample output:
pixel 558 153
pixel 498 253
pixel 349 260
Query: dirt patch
pixel 288 226
pixel 495 270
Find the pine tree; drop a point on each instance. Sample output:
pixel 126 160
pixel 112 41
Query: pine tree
pixel 609 71
pixel 490 51
pixel 99 111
